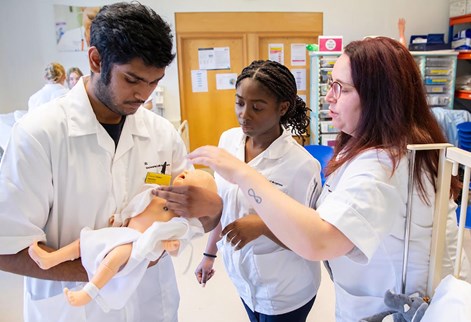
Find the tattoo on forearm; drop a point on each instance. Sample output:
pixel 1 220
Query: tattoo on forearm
pixel 257 199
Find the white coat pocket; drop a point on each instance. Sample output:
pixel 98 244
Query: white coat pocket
pixel 57 308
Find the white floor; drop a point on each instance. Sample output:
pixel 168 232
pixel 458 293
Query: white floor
pixel 217 302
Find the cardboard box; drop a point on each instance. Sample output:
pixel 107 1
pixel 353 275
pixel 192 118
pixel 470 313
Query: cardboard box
pixel 458 8
pixel 428 42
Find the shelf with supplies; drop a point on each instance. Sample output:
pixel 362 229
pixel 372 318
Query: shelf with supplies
pixel 454 23
pixel 438 69
pixel 322 132
pixel 458 26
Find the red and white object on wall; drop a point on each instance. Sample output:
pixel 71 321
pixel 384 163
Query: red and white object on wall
pixel 330 43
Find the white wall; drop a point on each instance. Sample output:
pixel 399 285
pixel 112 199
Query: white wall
pixel 28 43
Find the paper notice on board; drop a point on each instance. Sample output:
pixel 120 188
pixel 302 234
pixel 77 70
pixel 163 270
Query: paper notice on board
pixel 226 81
pixel 276 53
pixel 298 54
pixel 199 81
pixel 300 77
pixel 214 58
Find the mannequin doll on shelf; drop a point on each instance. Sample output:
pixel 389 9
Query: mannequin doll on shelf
pixel 401 26
pixel 117 257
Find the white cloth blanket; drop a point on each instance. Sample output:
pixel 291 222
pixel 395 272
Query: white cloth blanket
pixel 96 244
pixel 451 302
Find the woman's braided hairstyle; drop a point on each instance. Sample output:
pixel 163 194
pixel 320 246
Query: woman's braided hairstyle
pixel 279 80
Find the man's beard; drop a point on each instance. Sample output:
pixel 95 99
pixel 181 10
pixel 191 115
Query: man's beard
pixel 104 95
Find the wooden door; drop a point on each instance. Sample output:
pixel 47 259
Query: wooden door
pixel 208 113
pixel 247 35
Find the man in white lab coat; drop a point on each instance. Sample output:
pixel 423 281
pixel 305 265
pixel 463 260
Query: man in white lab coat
pixel 76 160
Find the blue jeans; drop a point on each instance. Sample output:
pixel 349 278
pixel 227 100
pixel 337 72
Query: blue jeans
pixel 299 315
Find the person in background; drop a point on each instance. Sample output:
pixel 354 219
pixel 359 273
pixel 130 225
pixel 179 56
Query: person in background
pixel 73 75
pixel 274 283
pixel 378 102
pixel 96 144
pixel 55 76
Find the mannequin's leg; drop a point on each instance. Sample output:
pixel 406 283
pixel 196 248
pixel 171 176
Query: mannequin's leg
pixel 108 268
pixel 46 259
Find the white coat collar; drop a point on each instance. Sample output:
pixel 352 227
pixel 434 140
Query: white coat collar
pixel 276 149
pixel 82 120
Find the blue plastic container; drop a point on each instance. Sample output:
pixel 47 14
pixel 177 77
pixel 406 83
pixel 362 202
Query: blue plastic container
pixel 323 154
pixel 467 224
pixel 464 146
pixel 464 135
pixel 464 127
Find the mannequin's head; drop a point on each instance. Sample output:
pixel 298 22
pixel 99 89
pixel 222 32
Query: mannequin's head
pixel 197 177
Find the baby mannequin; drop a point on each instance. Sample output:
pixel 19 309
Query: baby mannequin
pixel 150 230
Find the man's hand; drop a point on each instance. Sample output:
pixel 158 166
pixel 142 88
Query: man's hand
pixel 190 201
pixel 194 202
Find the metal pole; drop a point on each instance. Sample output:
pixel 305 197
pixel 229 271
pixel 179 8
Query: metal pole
pixel 410 189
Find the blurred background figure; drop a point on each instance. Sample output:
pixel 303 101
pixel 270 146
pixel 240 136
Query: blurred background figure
pixel 54 74
pixel 73 75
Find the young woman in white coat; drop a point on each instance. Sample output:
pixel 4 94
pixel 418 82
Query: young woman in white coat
pixel 377 101
pixel 274 283
pixel 55 76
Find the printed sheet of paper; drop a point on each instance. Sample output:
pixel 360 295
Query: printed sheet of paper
pixel 199 81
pixel 226 81
pixel 298 54
pixel 214 58
pixel 276 52
pixel 300 77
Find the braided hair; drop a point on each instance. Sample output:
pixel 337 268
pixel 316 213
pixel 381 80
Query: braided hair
pixel 279 80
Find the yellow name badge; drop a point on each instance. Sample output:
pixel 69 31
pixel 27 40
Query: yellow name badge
pixel 158 178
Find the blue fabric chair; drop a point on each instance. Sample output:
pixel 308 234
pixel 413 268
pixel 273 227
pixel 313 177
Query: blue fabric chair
pixel 322 153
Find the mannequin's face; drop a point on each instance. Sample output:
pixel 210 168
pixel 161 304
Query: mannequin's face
pixel 196 177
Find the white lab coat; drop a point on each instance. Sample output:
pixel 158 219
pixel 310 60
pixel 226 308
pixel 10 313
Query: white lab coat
pixel 368 205
pixel 47 93
pixel 60 173
pixel 269 278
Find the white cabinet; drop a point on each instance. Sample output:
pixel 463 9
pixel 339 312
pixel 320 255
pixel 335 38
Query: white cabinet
pixel 321 131
pixel 438 69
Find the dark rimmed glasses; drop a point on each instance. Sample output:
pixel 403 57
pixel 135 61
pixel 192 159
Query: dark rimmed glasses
pixel 336 87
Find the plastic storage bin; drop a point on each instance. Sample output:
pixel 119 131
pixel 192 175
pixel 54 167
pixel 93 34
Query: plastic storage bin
pixel 435 71
pixel 436 89
pixel 432 80
pixel 327 127
pixel 438 61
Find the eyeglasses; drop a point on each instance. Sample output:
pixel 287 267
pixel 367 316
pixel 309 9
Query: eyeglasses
pixel 336 87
